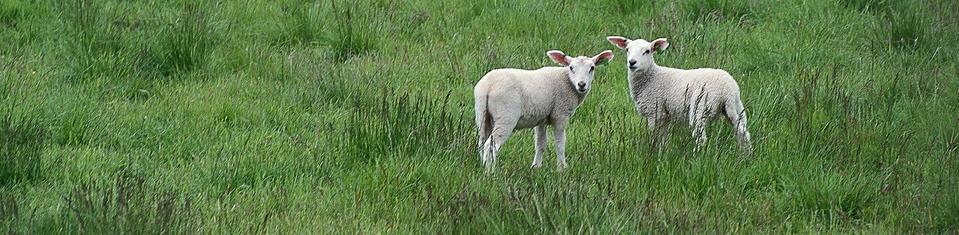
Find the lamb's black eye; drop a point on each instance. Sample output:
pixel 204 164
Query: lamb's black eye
pixel 646 52
pixel 571 69
pixel 591 69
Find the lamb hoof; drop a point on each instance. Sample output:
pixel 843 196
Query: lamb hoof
pixel 489 171
pixel 561 167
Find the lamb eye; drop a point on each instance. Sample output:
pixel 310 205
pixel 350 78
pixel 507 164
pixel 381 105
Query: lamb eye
pixel 646 52
pixel 571 69
pixel 591 69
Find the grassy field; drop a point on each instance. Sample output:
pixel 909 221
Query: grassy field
pixel 258 116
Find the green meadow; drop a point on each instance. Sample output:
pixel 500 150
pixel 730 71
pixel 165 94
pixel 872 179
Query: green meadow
pixel 255 116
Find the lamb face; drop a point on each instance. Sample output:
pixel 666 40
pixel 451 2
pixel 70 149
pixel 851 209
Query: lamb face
pixel 639 52
pixel 581 69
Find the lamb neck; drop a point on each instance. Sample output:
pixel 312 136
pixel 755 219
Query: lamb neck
pixel 640 81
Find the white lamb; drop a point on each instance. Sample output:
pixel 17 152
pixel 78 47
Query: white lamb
pixel 665 95
pixel 509 99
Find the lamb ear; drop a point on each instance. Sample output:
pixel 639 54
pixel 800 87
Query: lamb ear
pixel 620 42
pixel 660 44
pixel 603 57
pixel 559 57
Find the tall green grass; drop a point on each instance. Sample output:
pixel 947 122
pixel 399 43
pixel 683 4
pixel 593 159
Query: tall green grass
pixel 10 12
pixel 186 43
pixel 126 205
pixel 357 116
pixel 352 36
pixel 21 145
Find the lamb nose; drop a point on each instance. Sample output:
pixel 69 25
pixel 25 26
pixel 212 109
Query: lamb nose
pixel 632 62
pixel 581 84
